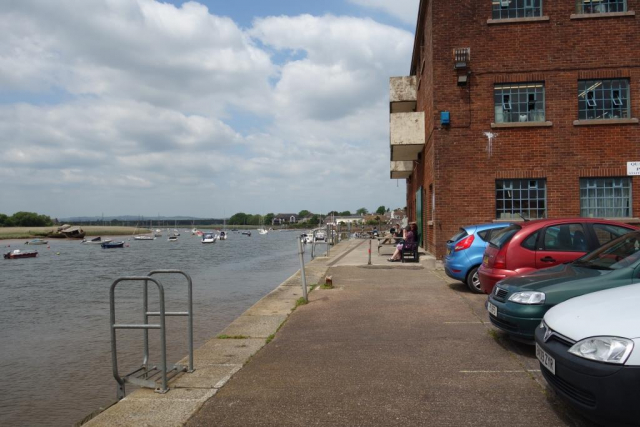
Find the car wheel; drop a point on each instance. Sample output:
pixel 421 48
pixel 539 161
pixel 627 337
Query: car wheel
pixel 473 281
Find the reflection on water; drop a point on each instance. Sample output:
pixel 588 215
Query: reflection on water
pixel 55 353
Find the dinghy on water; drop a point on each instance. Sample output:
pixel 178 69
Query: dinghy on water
pixel 96 241
pixel 17 253
pixel 112 245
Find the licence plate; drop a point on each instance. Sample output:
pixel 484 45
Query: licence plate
pixel 492 309
pixel 449 251
pixel 485 260
pixel 546 360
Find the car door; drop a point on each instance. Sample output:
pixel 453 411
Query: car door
pixel 560 243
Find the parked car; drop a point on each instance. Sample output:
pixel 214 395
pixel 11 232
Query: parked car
pixel 589 352
pixel 518 304
pixel 465 250
pixel 532 245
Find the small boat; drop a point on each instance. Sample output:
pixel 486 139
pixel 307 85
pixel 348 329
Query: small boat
pixel 96 241
pixel 223 235
pixel 303 238
pixel 246 233
pixel 262 231
pixel 17 253
pixel 175 232
pixel 209 238
pixel 173 238
pixel 158 233
pixel 112 245
pixel 36 242
pixel 144 237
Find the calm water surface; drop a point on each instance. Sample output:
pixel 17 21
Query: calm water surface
pixel 55 350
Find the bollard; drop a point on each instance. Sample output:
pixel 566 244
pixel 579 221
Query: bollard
pixel 369 263
pixel 302 275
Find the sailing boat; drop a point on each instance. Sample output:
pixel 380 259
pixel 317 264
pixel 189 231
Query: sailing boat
pixel 223 232
pixel 262 230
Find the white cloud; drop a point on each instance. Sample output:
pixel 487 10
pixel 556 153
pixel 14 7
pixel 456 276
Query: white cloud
pixel 146 90
pixel 405 10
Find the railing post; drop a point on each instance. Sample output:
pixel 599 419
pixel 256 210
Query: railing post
pixel 369 263
pixel 302 274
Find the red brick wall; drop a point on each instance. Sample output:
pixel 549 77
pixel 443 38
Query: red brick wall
pixel 558 52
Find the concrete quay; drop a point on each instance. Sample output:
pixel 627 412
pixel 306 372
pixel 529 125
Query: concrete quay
pixel 220 358
pixel 390 344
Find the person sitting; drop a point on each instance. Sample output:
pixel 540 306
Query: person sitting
pixel 409 236
pixel 398 231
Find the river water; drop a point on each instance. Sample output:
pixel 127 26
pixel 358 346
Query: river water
pixel 55 354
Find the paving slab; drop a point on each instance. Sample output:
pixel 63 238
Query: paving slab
pixel 254 326
pixel 146 408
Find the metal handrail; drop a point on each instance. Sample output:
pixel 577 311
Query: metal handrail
pixel 145 326
pixel 188 313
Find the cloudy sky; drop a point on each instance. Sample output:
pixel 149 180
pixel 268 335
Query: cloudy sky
pixel 199 108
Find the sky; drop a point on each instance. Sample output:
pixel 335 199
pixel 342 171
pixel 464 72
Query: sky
pixel 199 108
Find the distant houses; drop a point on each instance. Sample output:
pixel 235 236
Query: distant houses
pixel 285 218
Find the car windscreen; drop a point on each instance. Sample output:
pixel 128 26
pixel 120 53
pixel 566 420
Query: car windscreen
pixel 459 235
pixel 500 237
pixel 619 253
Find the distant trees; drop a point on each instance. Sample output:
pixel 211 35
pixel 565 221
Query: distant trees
pixel 25 219
pixel 362 211
pixel 268 218
pixel 345 213
pixel 381 210
pixel 303 213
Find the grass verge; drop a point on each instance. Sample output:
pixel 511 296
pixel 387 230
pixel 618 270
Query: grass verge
pixel 232 337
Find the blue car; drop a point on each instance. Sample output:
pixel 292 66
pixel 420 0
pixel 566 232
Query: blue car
pixel 465 250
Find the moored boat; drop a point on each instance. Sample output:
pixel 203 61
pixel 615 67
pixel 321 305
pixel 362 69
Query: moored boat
pixel 17 253
pixel 96 241
pixel 173 238
pixel 144 237
pixel 223 235
pixel 36 242
pixel 246 233
pixel 112 245
pixel 209 238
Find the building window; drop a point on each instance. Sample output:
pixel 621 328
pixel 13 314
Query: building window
pixel 504 9
pixel 521 198
pixel 603 99
pixel 519 102
pixel 605 197
pixel 601 6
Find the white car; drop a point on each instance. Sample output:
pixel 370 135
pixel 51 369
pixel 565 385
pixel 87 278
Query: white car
pixel 589 353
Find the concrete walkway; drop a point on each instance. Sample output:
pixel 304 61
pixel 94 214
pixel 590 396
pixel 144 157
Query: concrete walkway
pixel 391 344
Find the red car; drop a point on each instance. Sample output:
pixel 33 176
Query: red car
pixel 532 245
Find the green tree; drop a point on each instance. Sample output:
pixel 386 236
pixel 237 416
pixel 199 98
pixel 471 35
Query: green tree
pixel 314 219
pixel 303 213
pixel 268 218
pixel 333 213
pixel 362 211
pixel 345 213
pixel 238 219
pixel 381 210
pixel 30 219
pixel 5 221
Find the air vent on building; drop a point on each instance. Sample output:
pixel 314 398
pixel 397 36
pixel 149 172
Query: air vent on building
pixel 461 57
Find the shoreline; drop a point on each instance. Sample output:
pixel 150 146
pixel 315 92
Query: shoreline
pixel 219 358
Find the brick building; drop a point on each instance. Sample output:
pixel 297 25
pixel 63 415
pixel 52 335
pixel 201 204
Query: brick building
pixel 518 108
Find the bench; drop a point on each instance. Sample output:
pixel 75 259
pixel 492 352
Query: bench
pixel 410 250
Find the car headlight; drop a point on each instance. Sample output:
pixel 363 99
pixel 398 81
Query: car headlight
pixel 528 297
pixel 603 349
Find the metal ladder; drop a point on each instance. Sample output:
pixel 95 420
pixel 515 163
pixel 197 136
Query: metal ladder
pixel 148 376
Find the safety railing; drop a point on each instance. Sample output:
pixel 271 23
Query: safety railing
pixel 147 375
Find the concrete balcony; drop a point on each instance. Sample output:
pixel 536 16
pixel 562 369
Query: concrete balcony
pixel 407 135
pixel 401 170
pixel 402 94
